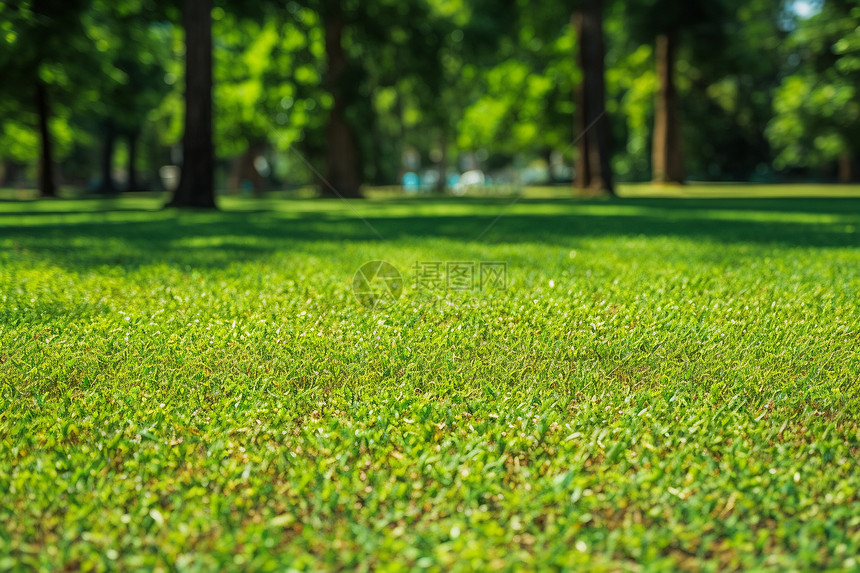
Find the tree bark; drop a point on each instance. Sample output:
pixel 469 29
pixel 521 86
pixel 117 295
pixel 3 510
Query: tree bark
pixel 402 168
pixel 667 155
pixel 591 126
pixel 442 168
pixel 196 183
pixel 846 167
pixel 132 184
pixel 47 181
pixel 582 173
pixel 343 176
pixel 550 174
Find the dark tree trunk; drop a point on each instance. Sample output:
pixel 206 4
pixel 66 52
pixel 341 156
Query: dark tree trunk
pixel 550 174
pixel 667 159
pixel 47 182
pixel 196 183
pixel 133 184
pixel 237 171
pixel 442 172
pixel 8 172
pixel 402 168
pixel 107 185
pixel 593 166
pixel 846 168
pixel 582 173
pixel 380 168
pixel 343 176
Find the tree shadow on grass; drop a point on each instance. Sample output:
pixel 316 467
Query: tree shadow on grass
pixel 218 239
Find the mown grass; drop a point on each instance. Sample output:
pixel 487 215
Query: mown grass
pixel 664 384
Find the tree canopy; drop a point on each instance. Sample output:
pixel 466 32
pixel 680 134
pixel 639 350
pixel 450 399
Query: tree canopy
pixel 341 94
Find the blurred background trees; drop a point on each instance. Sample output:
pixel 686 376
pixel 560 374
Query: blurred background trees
pixel 816 110
pixel 428 94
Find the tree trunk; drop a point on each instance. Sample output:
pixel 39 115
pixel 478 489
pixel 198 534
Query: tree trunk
pixel 132 184
pixel 243 170
pixel 442 172
pixel 47 182
pixel 107 185
pixel 550 174
pixel 402 167
pixel 343 175
pixel 846 167
pixel 667 158
pixel 196 183
pixel 582 173
pixel 593 166
pixel 381 174
pixel 8 172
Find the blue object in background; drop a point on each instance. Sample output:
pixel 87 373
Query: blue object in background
pixel 411 182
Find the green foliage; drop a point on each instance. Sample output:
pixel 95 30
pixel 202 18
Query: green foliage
pixel 135 52
pixel 700 19
pixel 664 385
pixel 43 42
pixel 526 101
pixel 18 141
pixel 812 120
pixel 267 75
pixel 631 83
pixel 466 75
pixel 728 64
pixel 817 115
pixel 167 117
pixel 409 50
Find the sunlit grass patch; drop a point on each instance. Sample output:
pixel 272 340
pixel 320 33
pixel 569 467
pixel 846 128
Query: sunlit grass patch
pixel 668 383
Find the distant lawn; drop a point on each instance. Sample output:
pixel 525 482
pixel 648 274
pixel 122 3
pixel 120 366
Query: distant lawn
pixel 739 191
pixel 693 190
pixel 664 383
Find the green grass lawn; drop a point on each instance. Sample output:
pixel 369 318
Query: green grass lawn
pixel 662 384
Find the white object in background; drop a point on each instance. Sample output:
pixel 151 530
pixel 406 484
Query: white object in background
pixel 471 178
pixel 170 176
